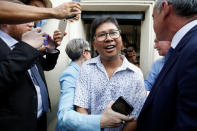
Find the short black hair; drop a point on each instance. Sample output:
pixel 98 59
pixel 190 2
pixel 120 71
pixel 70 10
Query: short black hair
pixel 132 45
pixel 100 20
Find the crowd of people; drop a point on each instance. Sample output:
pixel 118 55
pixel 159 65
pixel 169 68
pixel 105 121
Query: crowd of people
pixel 89 86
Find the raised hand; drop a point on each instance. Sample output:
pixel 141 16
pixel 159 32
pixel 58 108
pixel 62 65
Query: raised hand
pixel 67 10
pixel 34 38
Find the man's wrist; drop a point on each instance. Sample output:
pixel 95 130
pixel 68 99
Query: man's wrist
pixel 102 121
pixel 52 13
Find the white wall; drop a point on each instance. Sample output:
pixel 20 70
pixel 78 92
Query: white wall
pixel 76 30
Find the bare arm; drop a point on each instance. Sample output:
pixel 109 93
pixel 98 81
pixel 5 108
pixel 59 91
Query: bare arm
pixel 17 13
pixel 81 110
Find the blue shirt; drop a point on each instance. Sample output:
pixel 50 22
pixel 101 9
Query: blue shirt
pixel 154 72
pixel 95 90
pixel 68 118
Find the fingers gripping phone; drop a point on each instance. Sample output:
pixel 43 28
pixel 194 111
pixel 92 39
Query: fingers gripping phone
pixel 122 106
pixel 62 25
pixel 73 16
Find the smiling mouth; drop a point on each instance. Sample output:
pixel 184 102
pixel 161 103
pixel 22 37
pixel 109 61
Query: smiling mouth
pixel 109 47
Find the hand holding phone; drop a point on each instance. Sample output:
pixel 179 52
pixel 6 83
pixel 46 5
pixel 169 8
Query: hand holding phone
pixel 122 106
pixel 73 10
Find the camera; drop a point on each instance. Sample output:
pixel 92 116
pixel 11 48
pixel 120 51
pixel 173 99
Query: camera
pixel 126 50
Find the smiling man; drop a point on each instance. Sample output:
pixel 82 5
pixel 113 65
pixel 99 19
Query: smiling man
pixel 108 76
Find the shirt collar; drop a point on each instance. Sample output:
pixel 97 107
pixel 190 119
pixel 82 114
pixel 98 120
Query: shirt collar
pixel 125 64
pixel 179 35
pixel 8 39
pixel 75 65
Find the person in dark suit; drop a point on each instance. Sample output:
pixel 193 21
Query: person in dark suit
pixel 22 105
pixel 172 102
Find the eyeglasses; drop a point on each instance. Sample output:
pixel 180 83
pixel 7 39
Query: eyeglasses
pixel 87 50
pixel 114 34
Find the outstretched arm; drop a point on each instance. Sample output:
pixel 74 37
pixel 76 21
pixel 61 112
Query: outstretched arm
pixel 17 13
pixel 109 118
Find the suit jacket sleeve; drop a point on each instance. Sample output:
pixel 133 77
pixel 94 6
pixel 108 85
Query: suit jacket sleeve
pixel 49 61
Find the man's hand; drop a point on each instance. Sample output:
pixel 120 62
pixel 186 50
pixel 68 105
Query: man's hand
pixel 68 9
pixel 110 118
pixel 34 38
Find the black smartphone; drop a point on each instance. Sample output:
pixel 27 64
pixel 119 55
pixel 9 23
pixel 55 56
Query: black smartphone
pixel 122 106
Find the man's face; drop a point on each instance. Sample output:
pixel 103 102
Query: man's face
pixel 16 31
pixel 162 47
pixel 87 54
pixel 162 22
pixel 160 25
pixel 157 23
pixel 108 48
pixel 132 52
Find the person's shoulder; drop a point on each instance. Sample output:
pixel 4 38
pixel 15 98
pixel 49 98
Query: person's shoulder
pixel 133 68
pixel 137 70
pixel 90 62
pixel 159 62
pixel 71 70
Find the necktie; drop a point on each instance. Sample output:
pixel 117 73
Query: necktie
pixel 169 53
pixel 39 82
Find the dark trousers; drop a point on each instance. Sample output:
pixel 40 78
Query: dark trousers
pixel 42 123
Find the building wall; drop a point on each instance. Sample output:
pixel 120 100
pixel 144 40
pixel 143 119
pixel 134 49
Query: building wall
pixel 76 30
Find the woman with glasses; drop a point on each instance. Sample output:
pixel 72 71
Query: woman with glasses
pixel 109 75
